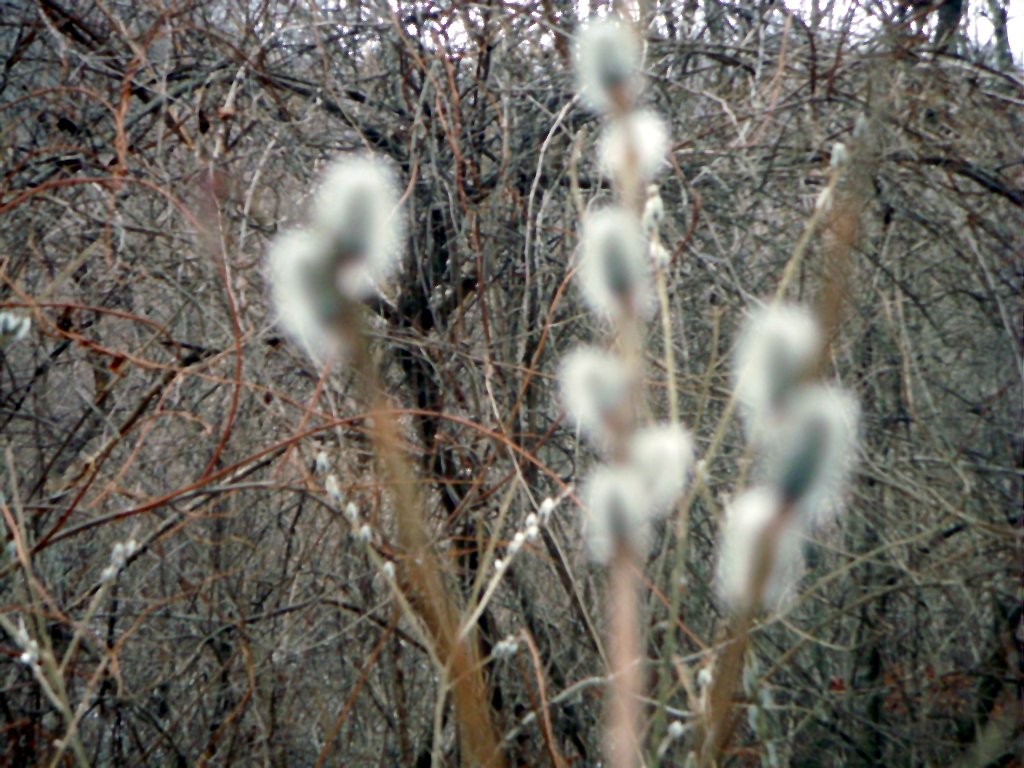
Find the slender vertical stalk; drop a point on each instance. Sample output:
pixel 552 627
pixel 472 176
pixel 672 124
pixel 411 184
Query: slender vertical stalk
pixel 670 358
pixel 625 643
pixel 422 570
pixel 721 718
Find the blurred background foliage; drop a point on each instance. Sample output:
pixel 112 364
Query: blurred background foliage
pixel 151 149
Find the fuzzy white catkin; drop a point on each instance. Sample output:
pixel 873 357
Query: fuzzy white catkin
pixel 355 210
pixel 303 291
pixel 607 62
pixel 595 388
pixel 613 272
pixel 777 346
pixel 635 143
pixel 333 489
pixel 352 245
pixel 743 534
pixel 814 446
pixel 663 455
pixel 619 509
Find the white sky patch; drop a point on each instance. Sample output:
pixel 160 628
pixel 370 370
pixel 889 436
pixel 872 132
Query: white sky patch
pixel 866 20
pixel 978 25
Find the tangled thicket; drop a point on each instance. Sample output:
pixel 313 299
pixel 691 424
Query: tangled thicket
pixel 152 150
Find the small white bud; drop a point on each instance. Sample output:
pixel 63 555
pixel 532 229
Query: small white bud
pixel 861 126
pixel 634 146
pixel 516 544
pixel 659 255
pixel 613 274
pixel 676 729
pixel 499 565
pixel 388 569
pixel 607 63
pixel 352 512
pixel 546 508
pixel 532 534
pixel 654 211
pixel 322 462
pixel 108 574
pixel 704 677
pixel 21 635
pixel 531 520
pixel 840 155
pixel 333 489
pixel 365 534
pixel 507 648
pixel 121 552
pixel 30 657
pixel 13 328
